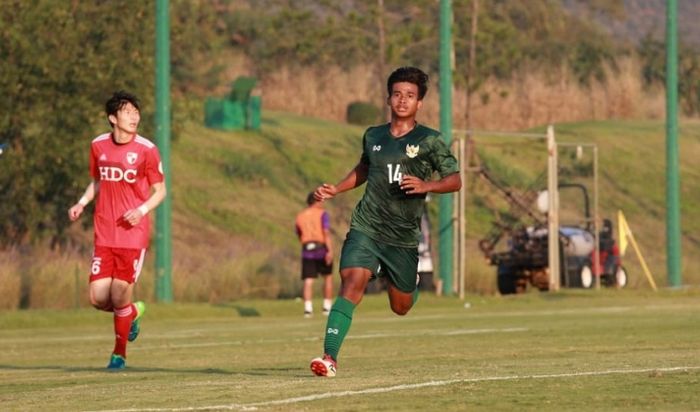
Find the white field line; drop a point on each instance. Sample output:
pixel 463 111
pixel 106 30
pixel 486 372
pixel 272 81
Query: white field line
pixel 223 341
pixel 199 332
pixel 327 395
pixel 437 332
pixel 183 334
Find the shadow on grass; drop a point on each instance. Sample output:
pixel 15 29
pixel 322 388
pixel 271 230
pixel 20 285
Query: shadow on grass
pixel 244 312
pixel 137 369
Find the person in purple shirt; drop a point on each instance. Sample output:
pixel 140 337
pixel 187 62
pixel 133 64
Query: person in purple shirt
pixel 313 230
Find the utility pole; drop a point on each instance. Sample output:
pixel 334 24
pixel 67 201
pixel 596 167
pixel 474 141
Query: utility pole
pixel 164 289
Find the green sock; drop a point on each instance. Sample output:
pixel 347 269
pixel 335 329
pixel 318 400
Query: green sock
pixel 415 296
pixel 337 327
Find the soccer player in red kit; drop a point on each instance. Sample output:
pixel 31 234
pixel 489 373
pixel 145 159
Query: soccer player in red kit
pixel 127 183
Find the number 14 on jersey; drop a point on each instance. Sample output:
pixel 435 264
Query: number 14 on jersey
pixel 395 174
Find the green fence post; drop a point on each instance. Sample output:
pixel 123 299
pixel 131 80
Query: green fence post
pixel 164 291
pixel 673 225
pixel 446 227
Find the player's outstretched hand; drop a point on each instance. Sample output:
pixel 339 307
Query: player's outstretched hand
pixel 75 212
pixel 325 192
pixel 413 185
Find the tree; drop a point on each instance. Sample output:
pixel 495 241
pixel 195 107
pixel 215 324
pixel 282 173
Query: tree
pixel 55 80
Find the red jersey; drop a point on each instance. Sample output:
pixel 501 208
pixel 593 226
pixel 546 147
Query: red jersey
pixel 125 173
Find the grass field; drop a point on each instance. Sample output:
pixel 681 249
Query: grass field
pixel 583 350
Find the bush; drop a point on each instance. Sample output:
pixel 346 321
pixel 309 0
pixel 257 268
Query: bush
pixel 363 114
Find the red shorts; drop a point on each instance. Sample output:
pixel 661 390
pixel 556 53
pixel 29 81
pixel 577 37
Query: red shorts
pixel 116 263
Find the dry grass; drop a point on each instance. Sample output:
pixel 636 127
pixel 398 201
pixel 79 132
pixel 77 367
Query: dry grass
pixel 531 98
pixel 10 280
pixel 43 278
pixel 216 279
pixel 324 94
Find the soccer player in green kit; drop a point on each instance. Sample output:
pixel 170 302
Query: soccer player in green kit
pixel 397 163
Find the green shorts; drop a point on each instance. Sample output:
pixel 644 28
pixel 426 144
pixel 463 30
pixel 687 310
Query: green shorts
pixel 399 264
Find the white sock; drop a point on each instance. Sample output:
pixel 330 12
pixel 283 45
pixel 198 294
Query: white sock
pixel 327 305
pixel 308 306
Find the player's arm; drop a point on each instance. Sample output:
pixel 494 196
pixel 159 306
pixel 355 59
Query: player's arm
pixel 77 209
pixel 329 247
pixel 356 177
pixel 134 216
pixel 413 184
pixel 328 239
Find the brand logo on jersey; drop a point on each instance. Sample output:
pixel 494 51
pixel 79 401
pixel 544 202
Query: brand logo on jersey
pixel 131 157
pixel 103 156
pixel 115 174
pixel 376 148
pixel 412 151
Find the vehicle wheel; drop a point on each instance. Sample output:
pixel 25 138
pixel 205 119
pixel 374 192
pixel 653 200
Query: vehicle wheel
pixel 507 281
pixel 621 277
pixel 586 275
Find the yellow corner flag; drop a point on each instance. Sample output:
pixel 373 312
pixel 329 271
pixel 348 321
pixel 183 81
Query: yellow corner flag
pixel 623 229
pixel 627 237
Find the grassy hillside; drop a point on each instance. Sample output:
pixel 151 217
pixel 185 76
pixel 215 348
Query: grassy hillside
pixel 235 196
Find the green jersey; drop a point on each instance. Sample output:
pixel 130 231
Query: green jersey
pixel 385 212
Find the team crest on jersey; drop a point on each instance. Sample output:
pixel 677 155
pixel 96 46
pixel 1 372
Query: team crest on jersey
pixel 412 151
pixel 131 157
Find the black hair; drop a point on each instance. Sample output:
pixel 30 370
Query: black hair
pixel 118 100
pixel 310 199
pixel 410 75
